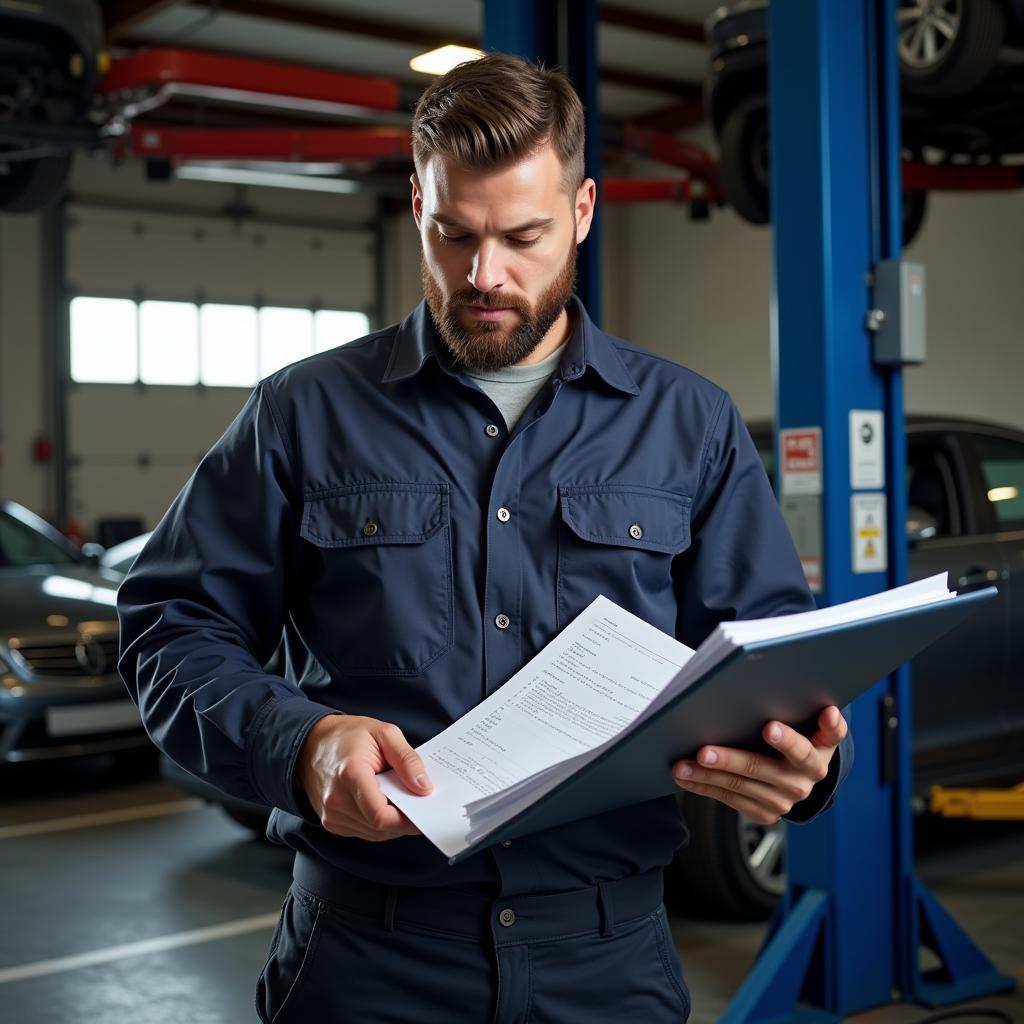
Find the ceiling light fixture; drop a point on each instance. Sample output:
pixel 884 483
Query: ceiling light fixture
pixel 437 62
pixel 269 179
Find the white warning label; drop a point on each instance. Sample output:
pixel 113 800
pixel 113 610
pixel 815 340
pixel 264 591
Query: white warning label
pixel 869 537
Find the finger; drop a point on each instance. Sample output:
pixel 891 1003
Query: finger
pixel 368 800
pixel 407 763
pixel 779 795
pixel 737 801
pixel 832 728
pixel 349 818
pixel 774 771
pixel 798 750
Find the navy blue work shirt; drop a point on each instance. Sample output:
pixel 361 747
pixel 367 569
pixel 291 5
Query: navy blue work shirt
pixel 358 501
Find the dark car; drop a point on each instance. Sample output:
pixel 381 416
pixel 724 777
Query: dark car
pixel 60 693
pixel 965 491
pixel 962 85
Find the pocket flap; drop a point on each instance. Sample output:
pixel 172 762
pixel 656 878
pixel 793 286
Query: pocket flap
pixel 374 513
pixel 635 517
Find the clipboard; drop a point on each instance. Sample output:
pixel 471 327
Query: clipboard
pixel 789 679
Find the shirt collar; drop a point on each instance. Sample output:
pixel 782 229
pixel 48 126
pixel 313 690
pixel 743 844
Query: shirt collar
pixel 416 340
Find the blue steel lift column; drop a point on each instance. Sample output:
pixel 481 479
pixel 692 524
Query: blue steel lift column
pixel 562 34
pixel 848 933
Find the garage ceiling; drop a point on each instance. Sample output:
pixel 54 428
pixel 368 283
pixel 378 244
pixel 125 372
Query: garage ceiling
pixel 652 61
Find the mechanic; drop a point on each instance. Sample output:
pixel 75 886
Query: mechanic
pixel 421 511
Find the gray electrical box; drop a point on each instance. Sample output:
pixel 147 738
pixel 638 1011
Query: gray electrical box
pixel 898 316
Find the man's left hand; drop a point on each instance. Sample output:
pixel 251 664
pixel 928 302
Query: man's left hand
pixel 765 788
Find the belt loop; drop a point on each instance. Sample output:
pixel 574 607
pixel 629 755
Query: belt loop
pixel 604 902
pixel 390 899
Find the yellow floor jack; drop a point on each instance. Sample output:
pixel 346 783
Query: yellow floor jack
pixel 982 804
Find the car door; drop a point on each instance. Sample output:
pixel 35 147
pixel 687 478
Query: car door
pixel 958 683
pixel 999 460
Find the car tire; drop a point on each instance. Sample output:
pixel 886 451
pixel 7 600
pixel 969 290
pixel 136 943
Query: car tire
pixel 743 160
pixel 716 873
pixel 254 821
pixel 29 186
pixel 744 169
pixel 961 60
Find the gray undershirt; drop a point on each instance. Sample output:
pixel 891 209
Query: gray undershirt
pixel 512 388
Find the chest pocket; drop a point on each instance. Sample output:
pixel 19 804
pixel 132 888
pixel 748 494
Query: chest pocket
pixel 380 576
pixel 619 540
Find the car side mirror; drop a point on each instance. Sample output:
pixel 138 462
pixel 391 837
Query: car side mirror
pixel 921 525
pixel 92 552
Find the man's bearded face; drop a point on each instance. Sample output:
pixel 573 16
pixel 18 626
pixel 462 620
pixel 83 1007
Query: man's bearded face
pixel 481 343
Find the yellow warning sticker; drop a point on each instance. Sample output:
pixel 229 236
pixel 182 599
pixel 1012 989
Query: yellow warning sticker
pixel 869 541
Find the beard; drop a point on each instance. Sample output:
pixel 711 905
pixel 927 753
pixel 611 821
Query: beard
pixel 489 344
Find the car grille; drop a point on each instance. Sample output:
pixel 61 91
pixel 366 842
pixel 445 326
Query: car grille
pixel 65 657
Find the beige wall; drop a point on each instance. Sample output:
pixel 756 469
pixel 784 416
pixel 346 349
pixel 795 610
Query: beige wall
pixel 699 293
pixel 23 386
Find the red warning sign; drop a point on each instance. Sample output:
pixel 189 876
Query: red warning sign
pixel 801 453
pixel 801 460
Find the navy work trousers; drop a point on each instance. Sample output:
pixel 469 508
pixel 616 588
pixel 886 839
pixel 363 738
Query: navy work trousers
pixel 350 952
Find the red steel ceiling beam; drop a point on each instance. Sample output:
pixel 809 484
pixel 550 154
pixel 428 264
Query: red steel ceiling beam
pixel 669 190
pixel 310 145
pixel 918 177
pixel 667 149
pixel 157 67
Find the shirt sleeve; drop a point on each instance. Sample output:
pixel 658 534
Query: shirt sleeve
pixel 202 610
pixel 741 562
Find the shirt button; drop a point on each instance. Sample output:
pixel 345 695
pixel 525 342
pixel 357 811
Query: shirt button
pixel 504 515
pixel 506 843
pixel 635 532
pixel 370 528
pixel 491 430
pixel 502 621
pixel 507 917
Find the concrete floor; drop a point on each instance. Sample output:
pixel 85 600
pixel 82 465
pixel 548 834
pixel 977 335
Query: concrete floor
pixel 124 902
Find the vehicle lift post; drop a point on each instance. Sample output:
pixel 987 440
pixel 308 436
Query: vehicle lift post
pixel 562 34
pixel 847 935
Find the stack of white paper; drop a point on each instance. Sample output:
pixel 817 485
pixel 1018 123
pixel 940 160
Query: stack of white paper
pixel 603 675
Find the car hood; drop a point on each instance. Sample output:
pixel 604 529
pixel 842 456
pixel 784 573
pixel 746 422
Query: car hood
pixel 40 599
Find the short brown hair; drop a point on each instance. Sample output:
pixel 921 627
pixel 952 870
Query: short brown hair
pixel 498 110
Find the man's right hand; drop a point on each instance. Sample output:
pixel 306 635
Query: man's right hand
pixel 337 765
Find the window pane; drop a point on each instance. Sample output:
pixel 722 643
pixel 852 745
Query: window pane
pixel 21 545
pixel 227 345
pixel 334 327
pixel 1002 463
pixel 929 478
pixel 285 335
pixel 103 340
pixel 168 343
